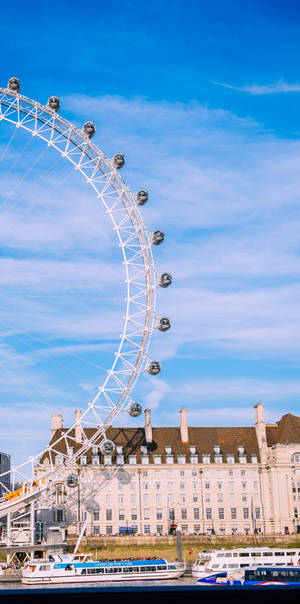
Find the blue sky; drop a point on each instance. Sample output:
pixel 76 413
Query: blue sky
pixel 204 102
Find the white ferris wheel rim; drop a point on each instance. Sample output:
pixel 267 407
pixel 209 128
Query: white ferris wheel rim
pixel 141 280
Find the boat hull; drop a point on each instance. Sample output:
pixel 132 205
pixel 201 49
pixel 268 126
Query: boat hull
pixel 78 578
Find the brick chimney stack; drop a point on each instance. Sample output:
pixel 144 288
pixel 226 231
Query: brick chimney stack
pixel 78 431
pixel 56 423
pixel 184 431
pixel 148 426
pixel 260 428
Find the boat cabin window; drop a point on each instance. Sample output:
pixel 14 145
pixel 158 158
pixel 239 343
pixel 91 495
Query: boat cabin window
pixel 255 554
pixel 228 555
pixel 171 567
pixel 278 553
pixel 268 553
pixel 220 555
pixel 244 554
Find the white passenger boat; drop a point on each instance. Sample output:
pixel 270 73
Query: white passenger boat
pixel 230 559
pixel 81 568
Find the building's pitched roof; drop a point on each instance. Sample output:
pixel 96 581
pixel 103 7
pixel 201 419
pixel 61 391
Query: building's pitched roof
pixel 287 430
pixel 204 439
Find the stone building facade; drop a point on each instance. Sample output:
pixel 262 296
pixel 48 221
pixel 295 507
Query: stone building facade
pixel 208 480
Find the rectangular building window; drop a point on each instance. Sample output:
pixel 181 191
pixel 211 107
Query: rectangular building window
pixel 147 529
pixel 108 514
pixel 196 514
pixel 109 530
pixel 206 485
pixel 205 458
pixel 159 529
pixel 146 514
pixel 246 513
pixel 96 515
pixel 183 513
pixel 197 529
pixel 159 514
pixel 132 459
pixel 96 530
pixel 208 514
pixel 233 513
pixel 108 499
pixel 220 497
pixel 133 498
pixel 221 513
pixel 185 529
pixel 182 485
pixel 195 498
pixel 145 460
pixel 134 514
pixel 158 499
pixel 121 514
pixel 157 459
pixel 257 513
pixel 157 485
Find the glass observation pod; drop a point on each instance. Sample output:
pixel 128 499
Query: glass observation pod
pixel 118 160
pixel 89 129
pixel 142 197
pixel 14 84
pixel 135 409
pixel 157 237
pixel 154 367
pixel 107 447
pixel 165 280
pixel 72 480
pixel 163 324
pixel 53 103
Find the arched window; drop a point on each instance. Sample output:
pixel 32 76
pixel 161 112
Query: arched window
pixel 296 458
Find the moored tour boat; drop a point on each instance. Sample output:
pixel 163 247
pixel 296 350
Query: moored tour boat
pixel 81 568
pixel 256 576
pixel 231 559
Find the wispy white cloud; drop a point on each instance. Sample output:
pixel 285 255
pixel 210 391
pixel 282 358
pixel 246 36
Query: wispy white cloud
pixel 260 89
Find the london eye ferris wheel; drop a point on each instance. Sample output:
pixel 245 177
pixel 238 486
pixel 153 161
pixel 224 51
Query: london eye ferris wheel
pixel 101 175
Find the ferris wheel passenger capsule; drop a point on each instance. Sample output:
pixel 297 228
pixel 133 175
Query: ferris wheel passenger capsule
pixel 165 280
pixel 72 480
pixel 163 324
pixel 107 447
pixel 135 409
pixel 154 367
pixel 14 84
pixel 142 197
pixel 118 160
pixel 89 129
pixel 157 237
pixel 53 103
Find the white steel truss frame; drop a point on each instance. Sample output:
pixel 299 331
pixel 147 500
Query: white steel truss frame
pixel 141 282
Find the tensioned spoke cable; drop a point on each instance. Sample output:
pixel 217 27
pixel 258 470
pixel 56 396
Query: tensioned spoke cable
pixel 49 190
pixel 3 155
pixel 16 161
pixel 18 386
pixel 47 343
pixel 22 179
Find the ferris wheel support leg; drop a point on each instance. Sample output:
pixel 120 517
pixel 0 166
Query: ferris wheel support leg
pixel 8 535
pixel 32 523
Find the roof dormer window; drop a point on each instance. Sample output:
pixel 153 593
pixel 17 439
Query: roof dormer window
pixel 119 450
pixel 144 450
pixel 241 449
pixel 217 449
pixel 168 450
pixel 193 450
